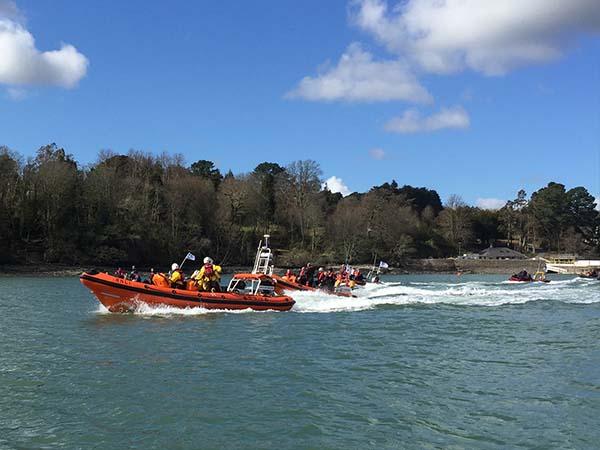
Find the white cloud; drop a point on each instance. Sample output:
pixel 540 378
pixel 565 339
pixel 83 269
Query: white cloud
pixel 411 121
pixel 490 203
pixel 335 184
pixel 21 63
pixel 492 37
pixel 377 153
pixel 358 77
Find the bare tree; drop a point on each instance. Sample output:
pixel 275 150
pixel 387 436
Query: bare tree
pixel 455 222
pixel 298 189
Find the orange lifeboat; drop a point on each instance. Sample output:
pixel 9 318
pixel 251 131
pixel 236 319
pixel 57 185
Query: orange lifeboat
pixel 245 291
pixel 263 266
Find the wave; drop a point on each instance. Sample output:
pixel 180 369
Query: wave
pixel 463 293
pixel 476 293
pixel 143 309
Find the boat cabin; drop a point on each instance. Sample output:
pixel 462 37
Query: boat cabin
pixel 251 284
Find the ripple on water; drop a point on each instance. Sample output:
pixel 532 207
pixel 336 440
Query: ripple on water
pixel 416 362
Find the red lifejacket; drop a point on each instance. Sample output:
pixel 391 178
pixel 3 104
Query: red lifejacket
pixel 208 270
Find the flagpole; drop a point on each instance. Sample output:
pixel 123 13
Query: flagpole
pixel 189 256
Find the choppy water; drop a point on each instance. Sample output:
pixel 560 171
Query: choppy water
pixel 422 361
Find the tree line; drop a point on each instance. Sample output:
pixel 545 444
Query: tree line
pixel 144 209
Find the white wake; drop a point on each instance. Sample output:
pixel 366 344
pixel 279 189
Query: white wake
pixel 460 293
pixel 473 293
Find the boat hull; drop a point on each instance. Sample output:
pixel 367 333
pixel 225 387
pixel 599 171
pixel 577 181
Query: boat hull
pixel 519 280
pixel 119 295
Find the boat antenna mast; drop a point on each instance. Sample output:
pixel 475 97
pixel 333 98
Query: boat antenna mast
pixel 263 262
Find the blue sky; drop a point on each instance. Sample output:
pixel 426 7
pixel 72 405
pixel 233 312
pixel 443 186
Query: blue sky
pixel 481 115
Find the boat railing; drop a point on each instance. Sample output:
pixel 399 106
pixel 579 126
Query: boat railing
pixel 250 287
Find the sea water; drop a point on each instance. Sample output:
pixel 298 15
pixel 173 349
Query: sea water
pixel 416 362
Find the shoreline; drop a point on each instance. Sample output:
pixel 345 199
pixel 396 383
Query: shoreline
pixel 408 267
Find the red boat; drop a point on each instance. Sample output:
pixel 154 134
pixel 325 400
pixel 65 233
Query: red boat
pixel 245 291
pixel 539 277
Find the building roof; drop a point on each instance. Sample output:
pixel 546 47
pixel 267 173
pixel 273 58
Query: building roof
pixel 501 253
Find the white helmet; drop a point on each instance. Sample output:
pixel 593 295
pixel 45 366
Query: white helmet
pixel 208 260
pixel 174 266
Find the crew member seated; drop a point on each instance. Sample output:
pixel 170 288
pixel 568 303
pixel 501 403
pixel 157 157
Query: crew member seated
pixel 209 276
pixel 134 275
pixel 176 277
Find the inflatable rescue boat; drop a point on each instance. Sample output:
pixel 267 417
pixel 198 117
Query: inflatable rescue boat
pixel 245 291
pixel 527 279
pixel 263 265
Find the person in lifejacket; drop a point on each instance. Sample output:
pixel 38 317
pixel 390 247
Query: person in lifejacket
pixel 150 278
pixel 176 278
pixel 340 279
pixel 289 276
pixel 358 276
pixel 209 276
pixel 310 274
pixel 321 277
pixel 302 276
pixel 134 275
pixel 329 280
pixel 159 279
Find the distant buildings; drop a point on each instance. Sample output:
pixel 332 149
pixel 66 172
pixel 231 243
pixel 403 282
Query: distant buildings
pixel 495 253
pixel 500 253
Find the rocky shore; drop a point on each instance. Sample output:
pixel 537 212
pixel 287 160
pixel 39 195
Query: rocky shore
pixel 477 266
pixel 446 265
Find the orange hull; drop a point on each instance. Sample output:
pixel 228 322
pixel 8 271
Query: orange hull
pixel 119 295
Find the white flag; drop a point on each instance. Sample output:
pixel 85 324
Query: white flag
pixel 383 265
pixel 190 257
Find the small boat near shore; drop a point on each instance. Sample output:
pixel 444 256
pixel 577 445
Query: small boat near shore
pixel 245 291
pixel 523 277
pixel 514 279
pixel 590 275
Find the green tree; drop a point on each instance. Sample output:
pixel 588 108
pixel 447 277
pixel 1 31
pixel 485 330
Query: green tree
pixel 583 216
pixel 266 174
pixel 206 169
pixel 549 209
pixel 485 225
